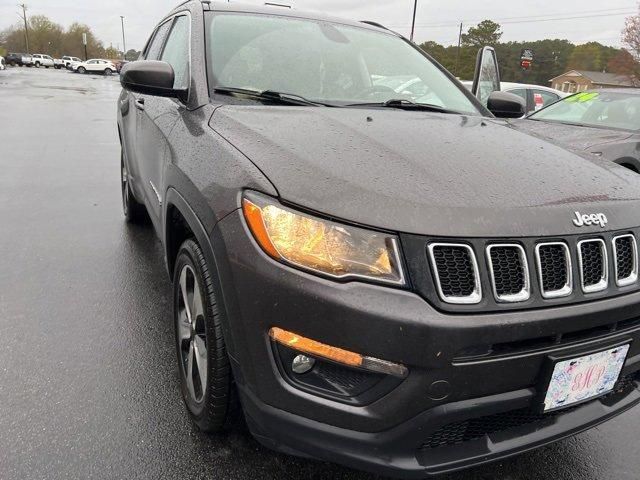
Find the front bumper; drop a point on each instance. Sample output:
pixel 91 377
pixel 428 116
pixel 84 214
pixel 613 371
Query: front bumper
pixel 393 432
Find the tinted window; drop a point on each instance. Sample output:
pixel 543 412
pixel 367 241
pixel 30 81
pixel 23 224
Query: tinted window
pixel 521 92
pixel 176 52
pixel 153 51
pixel 323 61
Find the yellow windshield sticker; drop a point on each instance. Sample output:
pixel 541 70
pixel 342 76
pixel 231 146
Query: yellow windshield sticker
pixel 582 97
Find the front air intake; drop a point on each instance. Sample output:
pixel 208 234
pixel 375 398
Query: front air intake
pixel 594 268
pixel 554 269
pixel 456 273
pixel 625 252
pixel 509 272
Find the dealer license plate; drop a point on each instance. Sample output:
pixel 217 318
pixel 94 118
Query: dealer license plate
pixel 580 379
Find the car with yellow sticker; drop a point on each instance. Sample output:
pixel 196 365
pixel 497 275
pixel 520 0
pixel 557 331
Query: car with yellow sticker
pixel 604 123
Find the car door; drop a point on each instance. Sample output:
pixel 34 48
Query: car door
pixel 486 79
pixel 159 114
pixel 132 110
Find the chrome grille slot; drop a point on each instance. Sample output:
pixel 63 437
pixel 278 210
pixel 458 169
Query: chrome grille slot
pixel 625 251
pixel 456 273
pixel 594 268
pixel 509 272
pixel 554 269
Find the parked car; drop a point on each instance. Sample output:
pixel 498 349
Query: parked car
pixel 404 287
pixel 65 61
pixel 535 96
pixel 95 65
pixel 603 122
pixel 40 59
pixel 19 59
pixel 3 65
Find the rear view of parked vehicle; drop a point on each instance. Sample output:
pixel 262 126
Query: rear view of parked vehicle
pixel 383 273
pixel 19 59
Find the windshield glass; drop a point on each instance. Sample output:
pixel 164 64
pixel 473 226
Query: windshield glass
pixel 597 109
pixel 324 62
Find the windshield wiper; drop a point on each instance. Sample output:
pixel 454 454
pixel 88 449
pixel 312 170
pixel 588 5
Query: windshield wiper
pixel 404 104
pixel 271 95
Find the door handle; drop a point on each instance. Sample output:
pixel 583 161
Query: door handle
pixel 140 103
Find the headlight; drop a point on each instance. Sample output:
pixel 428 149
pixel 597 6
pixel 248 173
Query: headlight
pixel 323 246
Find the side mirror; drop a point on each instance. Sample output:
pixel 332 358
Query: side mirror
pixel 150 77
pixel 506 105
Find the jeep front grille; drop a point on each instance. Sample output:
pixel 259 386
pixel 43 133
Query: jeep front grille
pixel 525 272
pixel 626 259
pixel 594 267
pixel 509 272
pixel 456 272
pixel 554 269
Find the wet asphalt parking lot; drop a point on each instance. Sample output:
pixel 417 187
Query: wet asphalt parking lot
pixel 88 377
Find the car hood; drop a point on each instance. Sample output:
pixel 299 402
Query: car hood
pixel 575 137
pixel 427 173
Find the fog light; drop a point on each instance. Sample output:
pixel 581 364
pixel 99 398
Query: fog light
pixel 302 364
pixel 336 354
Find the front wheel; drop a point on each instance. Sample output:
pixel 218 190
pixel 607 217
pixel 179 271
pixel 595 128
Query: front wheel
pixel 205 372
pixel 37 64
pixel 81 69
pixel 108 71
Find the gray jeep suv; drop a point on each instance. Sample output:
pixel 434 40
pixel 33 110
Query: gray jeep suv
pixel 382 276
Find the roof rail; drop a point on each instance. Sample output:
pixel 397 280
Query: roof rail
pixel 375 24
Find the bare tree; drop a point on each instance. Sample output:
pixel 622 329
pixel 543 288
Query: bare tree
pixel 631 35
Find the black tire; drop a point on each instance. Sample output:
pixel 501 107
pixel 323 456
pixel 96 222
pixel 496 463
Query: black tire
pixel 108 71
pixel 134 212
pixel 46 66
pixel 81 69
pixel 214 407
pixel 37 64
pixel 13 63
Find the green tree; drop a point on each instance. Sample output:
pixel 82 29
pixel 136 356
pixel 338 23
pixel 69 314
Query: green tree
pixel 485 33
pixel 132 55
pixel 591 56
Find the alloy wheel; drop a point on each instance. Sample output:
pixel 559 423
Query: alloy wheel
pixel 192 339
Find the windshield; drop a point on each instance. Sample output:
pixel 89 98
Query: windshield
pixel 596 109
pixel 324 62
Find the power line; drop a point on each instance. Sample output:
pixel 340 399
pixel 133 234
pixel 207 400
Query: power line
pixel 535 18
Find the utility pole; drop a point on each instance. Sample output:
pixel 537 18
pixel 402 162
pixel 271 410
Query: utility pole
pixel 124 44
pixel 459 46
pixel 413 23
pixel 26 28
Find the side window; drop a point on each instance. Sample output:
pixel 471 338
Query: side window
pixel 153 51
pixel 521 92
pixel 176 52
pixel 543 98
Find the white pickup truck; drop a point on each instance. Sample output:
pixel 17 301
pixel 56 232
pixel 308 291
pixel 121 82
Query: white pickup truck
pixel 65 61
pixel 40 59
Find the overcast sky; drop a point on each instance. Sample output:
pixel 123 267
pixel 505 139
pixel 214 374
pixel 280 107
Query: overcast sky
pixel 602 20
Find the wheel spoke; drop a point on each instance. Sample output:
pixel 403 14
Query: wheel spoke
pixel 184 327
pixel 197 308
pixel 185 294
pixel 189 375
pixel 201 360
